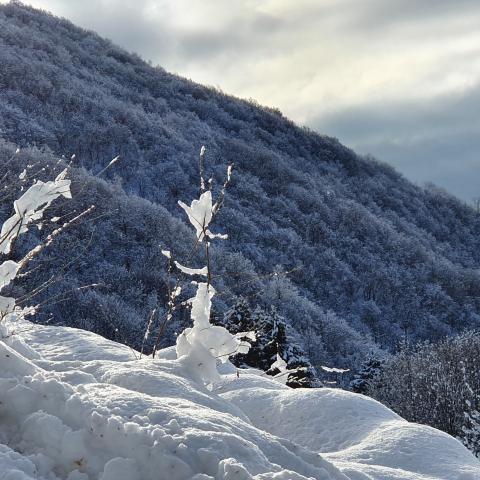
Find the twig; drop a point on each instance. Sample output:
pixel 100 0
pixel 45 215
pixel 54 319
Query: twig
pixel 201 160
pixel 39 248
pixel 147 331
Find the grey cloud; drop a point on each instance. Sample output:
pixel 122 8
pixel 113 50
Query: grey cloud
pixel 237 37
pixel 124 22
pixel 434 140
pixel 379 15
pixel 451 162
pixel 155 38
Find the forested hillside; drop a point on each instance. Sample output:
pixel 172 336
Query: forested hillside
pixel 363 258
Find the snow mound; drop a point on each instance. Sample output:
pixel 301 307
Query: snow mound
pixel 355 433
pixel 75 406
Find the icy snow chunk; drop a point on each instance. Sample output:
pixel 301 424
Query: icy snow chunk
pixel 204 344
pixel 114 160
pixel 198 360
pixel 281 364
pixel 8 271
pixel 222 236
pixel 14 466
pixel 229 469
pixel 120 469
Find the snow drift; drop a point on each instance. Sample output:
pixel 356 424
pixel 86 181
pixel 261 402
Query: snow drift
pixel 76 406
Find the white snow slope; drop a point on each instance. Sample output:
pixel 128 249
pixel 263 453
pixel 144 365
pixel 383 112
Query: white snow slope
pixel 76 406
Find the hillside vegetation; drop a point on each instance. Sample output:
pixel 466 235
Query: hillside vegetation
pixel 363 258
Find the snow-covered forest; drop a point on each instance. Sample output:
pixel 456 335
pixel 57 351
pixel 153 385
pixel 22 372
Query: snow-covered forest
pixel 435 384
pixel 371 257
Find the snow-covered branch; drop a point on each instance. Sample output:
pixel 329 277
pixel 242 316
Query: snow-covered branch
pixel 201 345
pixel 29 208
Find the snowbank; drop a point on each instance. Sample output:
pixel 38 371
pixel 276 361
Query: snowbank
pixel 75 406
pixel 355 433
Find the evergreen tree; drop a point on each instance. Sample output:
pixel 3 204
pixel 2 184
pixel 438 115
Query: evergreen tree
pixel 238 318
pixel 271 339
pixel 369 372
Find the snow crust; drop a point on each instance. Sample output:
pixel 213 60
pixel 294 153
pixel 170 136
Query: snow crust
pixel 75 406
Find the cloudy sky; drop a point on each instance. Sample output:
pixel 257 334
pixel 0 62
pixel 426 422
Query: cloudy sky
pixel 399 79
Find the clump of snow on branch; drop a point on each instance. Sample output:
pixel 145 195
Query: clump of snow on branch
pixel 202 345
pixel 200 213
pixel 284 372
pixel 8 271
pixel 114 160
pixel 192 271
pixel 334 369
pixel 281 365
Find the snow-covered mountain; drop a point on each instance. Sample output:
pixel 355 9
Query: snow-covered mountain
pixel 76 406
pixel 372 258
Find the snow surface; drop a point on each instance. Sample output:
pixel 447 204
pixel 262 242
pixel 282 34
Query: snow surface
pixel 75 406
